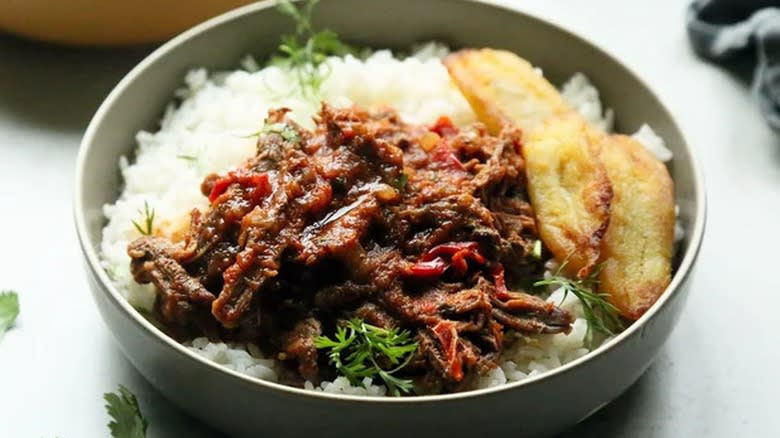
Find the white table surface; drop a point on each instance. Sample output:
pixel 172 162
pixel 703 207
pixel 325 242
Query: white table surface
pixel 716 377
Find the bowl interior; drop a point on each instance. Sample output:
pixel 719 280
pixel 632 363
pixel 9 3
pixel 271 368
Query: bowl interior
pixel 138 101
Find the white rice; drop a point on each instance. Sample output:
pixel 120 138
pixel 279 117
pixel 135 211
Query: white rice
pixel 246 359
pixel 653 143
pixel 207 132
pixel 581 95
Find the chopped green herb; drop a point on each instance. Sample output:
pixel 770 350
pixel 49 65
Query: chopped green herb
pixel 127 420
pixel 602 316
pixel 187 157
pixel 287 132
pixel 361 350
pixel 148 220
pixel 305 52
pixel 9 309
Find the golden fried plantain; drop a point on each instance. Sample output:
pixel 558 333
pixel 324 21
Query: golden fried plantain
pixel 569 190
pixel 568 186
pixel 503 89
pixel 637 248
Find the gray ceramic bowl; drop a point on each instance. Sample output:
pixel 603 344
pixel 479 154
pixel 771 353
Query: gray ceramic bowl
pixel 243 406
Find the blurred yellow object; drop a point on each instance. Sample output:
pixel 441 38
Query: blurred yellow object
pixel 106 22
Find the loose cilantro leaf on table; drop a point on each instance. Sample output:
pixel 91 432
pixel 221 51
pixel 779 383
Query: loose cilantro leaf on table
pixel 127 420
pixel 9 309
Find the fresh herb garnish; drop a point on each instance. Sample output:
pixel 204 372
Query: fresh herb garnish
pixel 127 420
pixel 602 316
pixel 305 52
pixel 9 309
pixel 361 350
pixel 287 132
pixel 148 220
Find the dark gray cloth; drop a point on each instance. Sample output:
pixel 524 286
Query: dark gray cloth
pixel 724 30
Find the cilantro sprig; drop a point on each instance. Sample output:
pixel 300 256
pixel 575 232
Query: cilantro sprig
pixel 284 130
pixel 287 132
pixel 305 52
pixel 127 421
pixel 9 309
pixel 359 350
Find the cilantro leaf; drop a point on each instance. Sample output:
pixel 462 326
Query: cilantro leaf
pixel 307 50
pixel 127 420
pixel 361 350
pixel 9 309
pixel 287 132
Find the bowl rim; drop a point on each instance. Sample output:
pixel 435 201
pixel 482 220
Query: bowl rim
pixel 696 231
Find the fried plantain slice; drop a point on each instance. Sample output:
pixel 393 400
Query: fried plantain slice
pixel 637 248
pixel 569 190
pixel 568 186
pixel 503 89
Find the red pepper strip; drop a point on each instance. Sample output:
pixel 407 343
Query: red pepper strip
pixel 259 181
pixel 444 127
pixel 502 293
pixel 444 155
pixel 429 268
pixel 460 257
pixel 458 252
pixel 459 261
pixel 449 249
pixel 348 133
pixel 448 336
pixel 477 257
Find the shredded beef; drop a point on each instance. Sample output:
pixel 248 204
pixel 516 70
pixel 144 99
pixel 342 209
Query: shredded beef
pixel 365 216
